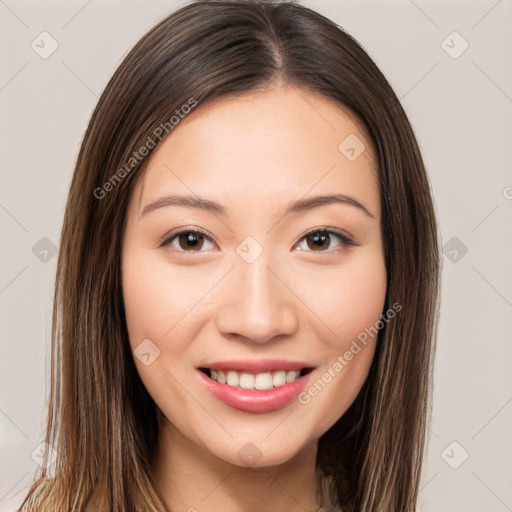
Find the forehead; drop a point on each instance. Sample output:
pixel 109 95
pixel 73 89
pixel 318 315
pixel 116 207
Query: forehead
pixel 270 144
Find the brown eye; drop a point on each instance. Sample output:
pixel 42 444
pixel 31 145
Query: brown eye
pixel 321 240
pixel 188 241
pixel 318 241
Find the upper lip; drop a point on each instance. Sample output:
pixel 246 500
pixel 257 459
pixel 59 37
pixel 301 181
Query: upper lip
pixel 258 365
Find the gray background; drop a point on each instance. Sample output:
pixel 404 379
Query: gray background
pixel 460 105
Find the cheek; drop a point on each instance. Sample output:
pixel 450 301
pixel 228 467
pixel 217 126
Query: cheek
pixel 350 307
pixel 158 306
pixel 346 299
pixel 157 300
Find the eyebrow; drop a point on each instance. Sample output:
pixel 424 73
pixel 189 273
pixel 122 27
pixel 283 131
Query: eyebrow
pixel 211 206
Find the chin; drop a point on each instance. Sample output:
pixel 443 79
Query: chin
pixel 257 453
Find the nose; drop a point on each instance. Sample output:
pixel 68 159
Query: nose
pixel 258 305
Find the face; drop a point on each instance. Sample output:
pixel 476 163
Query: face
pixel 250 280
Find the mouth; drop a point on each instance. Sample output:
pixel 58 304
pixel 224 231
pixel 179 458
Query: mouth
pixel 256 381
pixel 256 385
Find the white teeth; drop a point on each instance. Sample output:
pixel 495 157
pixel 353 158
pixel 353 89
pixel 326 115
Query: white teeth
pixel 263 381
pixel 246 380
pixel 279 378
pixel 260 381
pixel 232 379
pixel 292 375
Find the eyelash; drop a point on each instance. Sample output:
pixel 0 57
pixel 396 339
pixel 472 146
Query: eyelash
pixel 345 239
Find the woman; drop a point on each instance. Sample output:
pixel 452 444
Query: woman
pixel 247 286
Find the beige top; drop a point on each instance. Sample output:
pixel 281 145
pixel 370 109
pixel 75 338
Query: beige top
pixel 327 494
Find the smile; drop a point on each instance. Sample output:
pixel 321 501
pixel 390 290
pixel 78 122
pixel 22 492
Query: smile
pixel 255 386
pixel 260 381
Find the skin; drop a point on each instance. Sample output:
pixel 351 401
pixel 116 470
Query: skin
pixel 254 155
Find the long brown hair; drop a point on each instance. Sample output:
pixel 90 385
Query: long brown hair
pixel 101 420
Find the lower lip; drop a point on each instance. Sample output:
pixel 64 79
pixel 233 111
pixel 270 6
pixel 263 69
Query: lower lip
pixel 255 400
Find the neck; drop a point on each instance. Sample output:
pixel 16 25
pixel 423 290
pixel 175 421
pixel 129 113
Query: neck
pixel 192 479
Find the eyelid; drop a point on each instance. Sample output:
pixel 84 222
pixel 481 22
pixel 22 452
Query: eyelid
pixel 344 236
pixel 178 231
